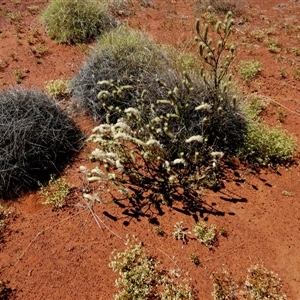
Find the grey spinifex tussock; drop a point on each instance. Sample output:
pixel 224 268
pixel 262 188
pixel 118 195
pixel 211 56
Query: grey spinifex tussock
pixel 129 58
pixel 37 139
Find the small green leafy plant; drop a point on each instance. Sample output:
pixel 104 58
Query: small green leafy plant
pixel 158 230
pixel 140 278
pixel 260 284
pixel 56 192
pixel 258 34
pixel 249 69
pixel 207 235
pixel 180 233
pixel 224 287
pixel 4 213
pixel 296 74
pixel 273 45
pixel 58 88
pixel 19 75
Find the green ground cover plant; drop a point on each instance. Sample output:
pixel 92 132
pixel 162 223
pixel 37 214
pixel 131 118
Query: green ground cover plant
pixel 76 21
pixel 249 69
pixel 207 235
pixel 37 139
pixel 264 145
pixel 273 45
pixel 260 284
pixel 55 192
pixel 58 88
pixel 141 279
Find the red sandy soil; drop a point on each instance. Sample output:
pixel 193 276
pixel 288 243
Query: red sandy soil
pixel 64 254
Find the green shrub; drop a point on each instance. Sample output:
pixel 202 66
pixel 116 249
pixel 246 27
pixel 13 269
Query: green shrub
pixel 140 278
pixel 267 146
pixel 76 21
pixel 37 139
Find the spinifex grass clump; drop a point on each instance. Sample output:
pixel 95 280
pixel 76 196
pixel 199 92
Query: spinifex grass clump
pixel 76 21
pixel 37 139
pixel 126 57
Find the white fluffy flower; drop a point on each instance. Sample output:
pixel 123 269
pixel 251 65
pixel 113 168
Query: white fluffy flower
pixel 123 136
pixel 97 171
pixel 97 153
pixel 195 138
pixel 103 128
pixel 83 169
pixel 203 106
pixel 179 161
pixel 153 142
pixel 217 154
pixel 123 126
pixel 119 166
pixel 133 111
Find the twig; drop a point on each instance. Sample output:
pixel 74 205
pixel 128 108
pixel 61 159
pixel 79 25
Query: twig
pixel 175 263
pixel 97 219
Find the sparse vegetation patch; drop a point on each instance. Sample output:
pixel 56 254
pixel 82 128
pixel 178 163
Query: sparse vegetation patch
pixel 260 284
pixel 141 279
pixel 249 69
